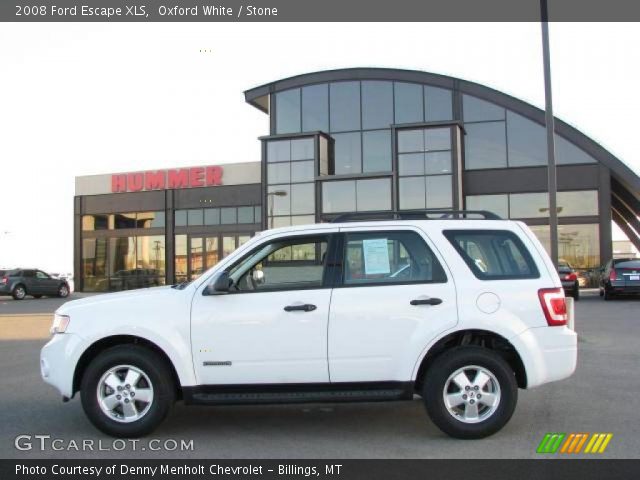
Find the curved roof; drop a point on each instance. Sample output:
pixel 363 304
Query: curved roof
pixel 620 172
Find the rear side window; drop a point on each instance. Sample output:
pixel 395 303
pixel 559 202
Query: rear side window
pixel 493 254
pixel 387 258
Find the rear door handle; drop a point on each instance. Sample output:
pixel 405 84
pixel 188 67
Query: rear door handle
pixel 426 301
pixel 307 307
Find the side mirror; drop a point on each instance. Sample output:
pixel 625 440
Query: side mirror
pixel 220 286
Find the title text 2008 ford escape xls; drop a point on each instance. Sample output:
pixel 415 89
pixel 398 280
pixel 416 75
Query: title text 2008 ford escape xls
pixel 460 311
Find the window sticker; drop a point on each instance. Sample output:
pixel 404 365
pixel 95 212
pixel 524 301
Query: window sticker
pixel 376 256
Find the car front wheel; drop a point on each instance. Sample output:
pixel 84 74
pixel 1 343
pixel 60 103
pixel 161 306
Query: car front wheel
pixel 63 291
pixel 127 391
pixel 19 292
pixel 470 392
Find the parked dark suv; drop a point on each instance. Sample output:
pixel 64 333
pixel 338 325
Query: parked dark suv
pixel 22 282
pixel 621 276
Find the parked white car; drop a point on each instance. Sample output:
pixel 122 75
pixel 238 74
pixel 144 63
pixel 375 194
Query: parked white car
pixel 460 312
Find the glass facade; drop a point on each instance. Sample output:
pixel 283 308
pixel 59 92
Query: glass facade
pixel 123 263
pixel 578 244
pixel 384 144
pixel 290 181
pixel 500 138
pixel 195 217
pixel 425 168
pixel 359 116
pixel 344 196
pixel 119 221
pixel 580 203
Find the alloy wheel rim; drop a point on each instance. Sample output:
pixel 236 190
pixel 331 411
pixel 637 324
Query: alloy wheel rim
pixel 63 291
pixel 471 394
pixel 20 292
pixel 125 393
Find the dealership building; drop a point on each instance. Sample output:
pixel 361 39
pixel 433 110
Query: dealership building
pixel 355 140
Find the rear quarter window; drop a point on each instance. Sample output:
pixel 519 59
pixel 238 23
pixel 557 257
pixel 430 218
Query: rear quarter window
pixel 493 254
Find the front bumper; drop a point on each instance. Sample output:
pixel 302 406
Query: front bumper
pixel 548 353
pixel 58 360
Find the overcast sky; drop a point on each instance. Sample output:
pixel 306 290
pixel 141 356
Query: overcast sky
pixel 79 99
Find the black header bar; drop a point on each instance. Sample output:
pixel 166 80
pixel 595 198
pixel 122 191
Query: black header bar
pixel 331 469
pixel 314 10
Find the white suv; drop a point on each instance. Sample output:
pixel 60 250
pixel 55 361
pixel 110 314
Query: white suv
pixel 461 312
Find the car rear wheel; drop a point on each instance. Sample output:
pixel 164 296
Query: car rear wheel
pixel 470 392
pixel 127 391
pixel 608 295
pixel 63 291
pixel 19 292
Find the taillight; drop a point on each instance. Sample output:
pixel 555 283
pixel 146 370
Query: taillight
pixel 613 275
pixel 4 280
pixel 553 306
pixel 571 277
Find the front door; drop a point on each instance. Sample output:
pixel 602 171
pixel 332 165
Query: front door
pixel 271 328
pixel 394 297
pixel 44 284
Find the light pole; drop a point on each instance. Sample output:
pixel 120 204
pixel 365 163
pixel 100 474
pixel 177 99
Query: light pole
pixel 552 184
pixel 270 195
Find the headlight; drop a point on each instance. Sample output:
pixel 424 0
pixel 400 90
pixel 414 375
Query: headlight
pixel 60 323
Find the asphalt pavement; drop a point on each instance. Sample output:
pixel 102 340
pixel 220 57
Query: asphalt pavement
pixel 602 396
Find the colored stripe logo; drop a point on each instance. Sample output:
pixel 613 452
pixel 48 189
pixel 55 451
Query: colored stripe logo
pixel 574 443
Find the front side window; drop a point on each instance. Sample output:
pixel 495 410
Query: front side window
pixel 493 254
pixel 374 258
pixel 284 264
pixel 42 275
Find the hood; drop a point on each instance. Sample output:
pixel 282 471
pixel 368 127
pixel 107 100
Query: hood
pixel 106 299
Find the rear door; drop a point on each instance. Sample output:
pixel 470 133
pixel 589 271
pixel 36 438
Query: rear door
pixel 29 280
pixel 393 296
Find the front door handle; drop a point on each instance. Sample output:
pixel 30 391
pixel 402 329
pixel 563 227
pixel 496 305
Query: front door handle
pixel 426 301
pixel 307 307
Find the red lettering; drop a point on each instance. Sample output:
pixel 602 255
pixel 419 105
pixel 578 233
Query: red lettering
pixel 154 180
pixel 214 176
pixel 118 183
pixel 135 182
pixel 178 178
pixel 196 177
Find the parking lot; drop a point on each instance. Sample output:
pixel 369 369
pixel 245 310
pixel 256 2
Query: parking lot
pixel 603 396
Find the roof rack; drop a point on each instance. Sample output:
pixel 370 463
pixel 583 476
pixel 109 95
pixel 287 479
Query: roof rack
pixel 415 215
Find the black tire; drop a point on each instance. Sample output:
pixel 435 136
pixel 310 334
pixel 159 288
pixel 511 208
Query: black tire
pixel 447 364
pixel 576 292
pixel 37 296
pixel 63 291
pixel 19 292
pixel 601 292
pixel 159 374
pixel 608 295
